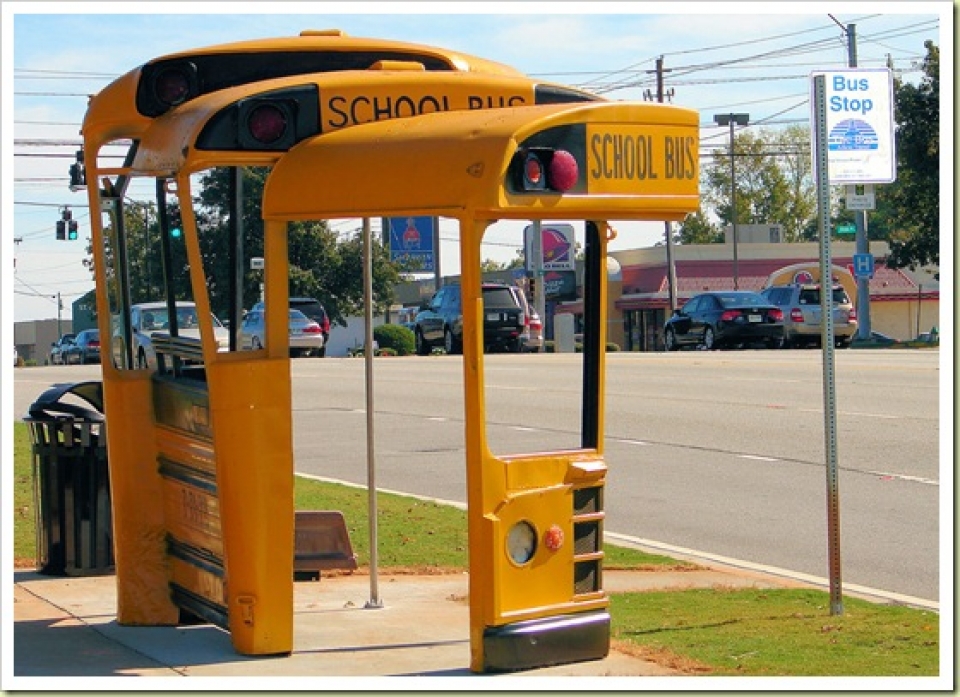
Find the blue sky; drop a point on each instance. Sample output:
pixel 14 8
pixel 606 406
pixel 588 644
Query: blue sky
pixel 56 53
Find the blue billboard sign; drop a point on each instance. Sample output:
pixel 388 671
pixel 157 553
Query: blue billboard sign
pixel 411 241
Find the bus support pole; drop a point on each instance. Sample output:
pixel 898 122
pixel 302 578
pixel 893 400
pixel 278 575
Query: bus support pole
pixel 374 601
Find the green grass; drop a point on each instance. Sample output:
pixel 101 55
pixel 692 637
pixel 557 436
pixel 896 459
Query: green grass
pixel 778 633
pixel 752 632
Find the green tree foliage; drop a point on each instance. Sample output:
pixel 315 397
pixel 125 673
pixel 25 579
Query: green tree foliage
pixel 697 229
pixel 322 265
pixel 396 337
pixel 910 207
pixel 774 183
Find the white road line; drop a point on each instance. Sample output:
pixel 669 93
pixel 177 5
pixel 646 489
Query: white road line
pixel 759 457
pixel 905 477
pixel 695 555
pixel 627 441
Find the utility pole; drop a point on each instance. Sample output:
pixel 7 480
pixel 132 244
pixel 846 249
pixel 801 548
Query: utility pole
pixel 667 227
pixel 862 241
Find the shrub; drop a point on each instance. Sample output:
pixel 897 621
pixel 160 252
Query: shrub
pixel 395 337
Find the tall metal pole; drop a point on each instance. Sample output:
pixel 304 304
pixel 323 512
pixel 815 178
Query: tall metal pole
pixel 667 227
pixel 733 211
pixel 374 601
pixel 827 341
pixel 860 218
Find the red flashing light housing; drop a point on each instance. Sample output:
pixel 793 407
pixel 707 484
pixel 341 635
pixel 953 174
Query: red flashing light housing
pixel 539 169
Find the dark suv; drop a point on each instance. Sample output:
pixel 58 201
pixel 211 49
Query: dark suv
pixel 315 311
pixel 440 323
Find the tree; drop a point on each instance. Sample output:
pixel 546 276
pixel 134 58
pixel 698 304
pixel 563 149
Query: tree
pixel 912 210
pixel 697 229
pixel 774 182
pixel 321 264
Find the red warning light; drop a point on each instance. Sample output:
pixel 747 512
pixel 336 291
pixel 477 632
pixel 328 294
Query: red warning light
pixel 267 123
pixel 563 172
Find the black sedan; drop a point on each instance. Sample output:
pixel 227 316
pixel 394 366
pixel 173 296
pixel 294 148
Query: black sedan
pixel 725 318
pixel 84 349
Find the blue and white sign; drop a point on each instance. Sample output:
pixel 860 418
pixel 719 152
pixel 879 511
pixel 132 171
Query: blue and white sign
pixel 860 126
pixel 863 265
pixel 411 241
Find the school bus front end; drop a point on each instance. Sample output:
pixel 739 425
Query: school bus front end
pixel 536 520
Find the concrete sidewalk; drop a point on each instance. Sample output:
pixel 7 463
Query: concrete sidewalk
pixel 67 627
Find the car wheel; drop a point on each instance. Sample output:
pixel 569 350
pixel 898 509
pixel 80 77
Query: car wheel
pixel 255 343
pixel 449 343
pixel 709 339
pixel 842 343
pixel 423 348
pixel 670 340
pixel 775 343
pixel 322 351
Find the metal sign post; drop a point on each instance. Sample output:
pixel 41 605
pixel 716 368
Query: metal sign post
pixel 826 342
pixel 374 601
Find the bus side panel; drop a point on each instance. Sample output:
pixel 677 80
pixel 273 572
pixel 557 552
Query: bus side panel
pixel 143 596
pixel 253 440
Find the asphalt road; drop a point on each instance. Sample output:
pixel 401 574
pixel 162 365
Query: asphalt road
pixel 720 452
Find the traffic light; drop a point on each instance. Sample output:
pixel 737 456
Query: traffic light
pixel 176 226
pixel 78 173
pixel 61 229
pixel 72 230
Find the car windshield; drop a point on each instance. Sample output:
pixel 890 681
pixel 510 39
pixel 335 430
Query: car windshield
pixel 499 299
pixel 742 299
pixel 157 318
pixel 811 296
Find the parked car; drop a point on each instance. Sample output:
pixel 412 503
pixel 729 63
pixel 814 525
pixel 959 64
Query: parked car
pixel 440 323
pixel 151 318
pixel 724 318
pixel 58 347
pixel 85 348
pixel 305 335
pixel 313 309
pixel 800 303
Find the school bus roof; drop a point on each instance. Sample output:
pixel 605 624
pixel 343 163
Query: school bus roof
pixel 335 40
pixel 203 132
pixel 123 108
pixel 636 161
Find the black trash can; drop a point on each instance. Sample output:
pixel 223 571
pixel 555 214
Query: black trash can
pixel 71 484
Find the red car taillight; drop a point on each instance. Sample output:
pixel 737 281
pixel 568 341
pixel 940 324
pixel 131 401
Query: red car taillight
pixel 94 344
pixel 796 314
pixel 852 314
pixel 775 314
pixel 312 329
pixel 729 315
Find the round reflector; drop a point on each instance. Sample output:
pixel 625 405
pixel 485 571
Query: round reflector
pixel 267 123
pixel 564 172
pixel 172 86
pixel 553 538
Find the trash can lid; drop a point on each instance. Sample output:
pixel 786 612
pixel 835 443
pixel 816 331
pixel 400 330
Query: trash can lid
pixel 90 391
